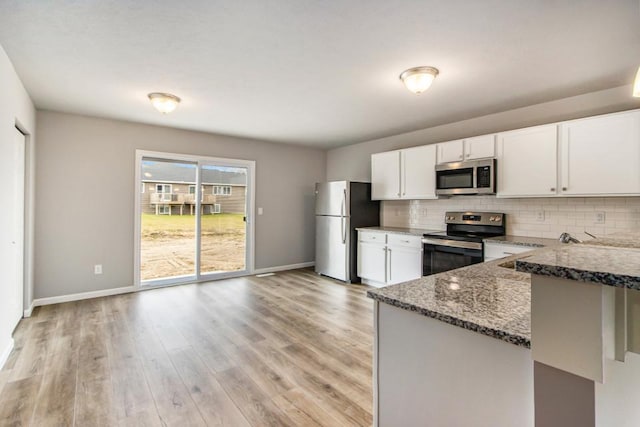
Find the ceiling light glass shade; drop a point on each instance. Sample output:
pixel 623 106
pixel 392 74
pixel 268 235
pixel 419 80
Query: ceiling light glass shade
pixel 164 102
pixel 636 85
pixel 418 79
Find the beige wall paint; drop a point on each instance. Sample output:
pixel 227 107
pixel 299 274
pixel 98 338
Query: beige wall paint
pixel 89 163
pixel 354 161
pixel 16 108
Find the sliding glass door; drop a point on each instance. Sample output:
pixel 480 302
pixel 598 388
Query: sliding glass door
pixel 223 231
pixel 193 218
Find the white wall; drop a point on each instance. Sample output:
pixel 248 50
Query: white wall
pixel 573 215
pixel 16 108
pixel 354 161
pixel 85 197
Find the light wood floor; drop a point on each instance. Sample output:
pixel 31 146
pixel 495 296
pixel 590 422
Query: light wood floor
pixel 292 349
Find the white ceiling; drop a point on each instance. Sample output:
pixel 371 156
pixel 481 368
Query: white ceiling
pixel 319 73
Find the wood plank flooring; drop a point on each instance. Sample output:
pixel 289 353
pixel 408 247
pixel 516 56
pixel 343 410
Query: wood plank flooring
pixel 292 349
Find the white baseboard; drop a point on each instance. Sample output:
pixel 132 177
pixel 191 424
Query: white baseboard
pixel 283 267
pixel 5 354
pixel 29 310
pixel 83 295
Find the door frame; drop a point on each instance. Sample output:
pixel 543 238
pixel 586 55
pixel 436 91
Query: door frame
pixel 250 213
pixel 29 217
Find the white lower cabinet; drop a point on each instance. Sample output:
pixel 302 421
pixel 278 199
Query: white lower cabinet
pixel 372 261
pixel 388 258
pixel 493 251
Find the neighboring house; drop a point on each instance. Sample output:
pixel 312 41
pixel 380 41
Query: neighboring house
pixel 169 189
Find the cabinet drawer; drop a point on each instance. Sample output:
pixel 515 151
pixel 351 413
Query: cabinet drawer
pixel 404 240
pixel 495 251
pixel 372 236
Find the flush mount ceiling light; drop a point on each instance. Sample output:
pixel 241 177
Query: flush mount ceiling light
pixel 164 102
pixel 636 85
pixel 418 79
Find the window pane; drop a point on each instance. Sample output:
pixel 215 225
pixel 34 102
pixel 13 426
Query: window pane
pixel 167 241
pixel 223 240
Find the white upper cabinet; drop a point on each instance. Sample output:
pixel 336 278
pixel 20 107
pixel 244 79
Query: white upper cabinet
pixel 478 147
pixel 418 172
pixel 600 155
pixel 404 174
pixel 527 162
pixel 452 151
pixel 385 175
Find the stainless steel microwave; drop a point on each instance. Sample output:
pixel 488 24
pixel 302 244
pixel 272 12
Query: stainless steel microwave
pixel 470 177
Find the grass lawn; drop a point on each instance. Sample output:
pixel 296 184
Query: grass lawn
pixel 162 226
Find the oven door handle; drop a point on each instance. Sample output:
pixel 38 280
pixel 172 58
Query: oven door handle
pixel 452 243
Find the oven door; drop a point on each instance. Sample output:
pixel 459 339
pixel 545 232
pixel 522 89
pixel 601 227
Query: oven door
pixel 438 258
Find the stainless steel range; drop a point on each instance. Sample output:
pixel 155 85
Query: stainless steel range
pixel 461 244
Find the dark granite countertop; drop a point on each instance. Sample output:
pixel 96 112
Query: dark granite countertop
pixel 534 242
pixel 399 230
pixel 484 298
pixel 588 262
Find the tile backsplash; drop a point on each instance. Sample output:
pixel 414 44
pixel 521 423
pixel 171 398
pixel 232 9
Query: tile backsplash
pixel 537 217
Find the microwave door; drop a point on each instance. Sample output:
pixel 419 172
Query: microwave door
pixel 456 181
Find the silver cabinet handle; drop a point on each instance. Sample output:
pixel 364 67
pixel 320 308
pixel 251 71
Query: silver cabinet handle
pixel 553 189
pixel 389 262
pixel 508 253
pixel 564 188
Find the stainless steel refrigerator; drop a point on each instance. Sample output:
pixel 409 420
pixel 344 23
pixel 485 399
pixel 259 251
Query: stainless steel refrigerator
pixel 341 207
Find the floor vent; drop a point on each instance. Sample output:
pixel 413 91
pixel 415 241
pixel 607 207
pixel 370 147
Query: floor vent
pixel 265 274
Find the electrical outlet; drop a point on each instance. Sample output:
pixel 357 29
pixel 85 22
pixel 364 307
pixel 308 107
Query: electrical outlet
pixel 97 269
pixel 540 216
pixel 260 211
pixel 600 218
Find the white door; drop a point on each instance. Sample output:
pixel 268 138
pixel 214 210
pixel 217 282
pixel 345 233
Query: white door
pixel 385 175
pixel 527 162
pixel 17 239
pixel 451 151
pixel 600 155
pixel 418 172
pixel 372 262
pixel 480 147
pixel 404 264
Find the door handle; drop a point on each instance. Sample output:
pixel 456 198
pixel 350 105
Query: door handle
pixel 343 229
pixel 343 209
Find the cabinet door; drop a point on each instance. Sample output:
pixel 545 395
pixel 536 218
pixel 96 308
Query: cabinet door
pixel 372 262
pixel 451 151
pixel 404 264
pixel 527 162
pixel 385 175
pixel 418 172
pixel 601 155
pixel 480 147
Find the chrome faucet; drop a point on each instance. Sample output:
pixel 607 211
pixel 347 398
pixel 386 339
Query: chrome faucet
pixel 568 238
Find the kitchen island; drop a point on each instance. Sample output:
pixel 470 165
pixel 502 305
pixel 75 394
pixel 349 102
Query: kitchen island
pixel 487 345
pixel 450 346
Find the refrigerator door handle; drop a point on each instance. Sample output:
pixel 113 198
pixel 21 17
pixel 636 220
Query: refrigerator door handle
pixel 344 203
pixel 343 227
